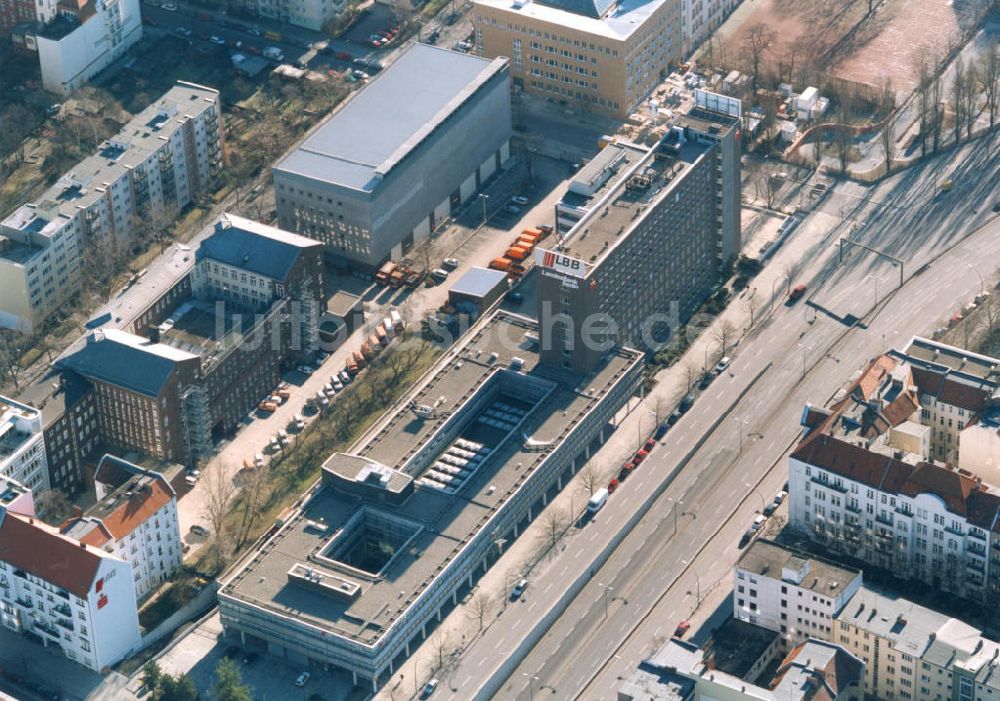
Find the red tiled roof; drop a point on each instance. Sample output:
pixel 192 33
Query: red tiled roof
pixel 901 408
pixel 954 488
pixel 133 512
pixel 27 544
pixel 960 491
pixel 950 391
pixel 873 377
pixel 97 535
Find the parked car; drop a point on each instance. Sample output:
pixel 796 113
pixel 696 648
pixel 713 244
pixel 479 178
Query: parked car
pixel 797 292
pixel 673 418
pixel 429 688
pixel 721 366
pixel 169 6
pixel 686 403
pixel 770 508
pixel 512 209
pixel 681 629
pixel 255 31
pixel 218 41
pixel 345 377
pixel 439 274
pixel 302 679
pixel 450 263
pixel 199 530
pixel 518 589
pixel 182 31
pixel 433 37
pixel 519 199
pixel 780 496
pixel 305 369
pixel 705 381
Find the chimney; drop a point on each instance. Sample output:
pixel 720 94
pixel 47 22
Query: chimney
pixel 83 545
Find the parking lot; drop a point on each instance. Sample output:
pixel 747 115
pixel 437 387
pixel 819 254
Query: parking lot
pixel 271 678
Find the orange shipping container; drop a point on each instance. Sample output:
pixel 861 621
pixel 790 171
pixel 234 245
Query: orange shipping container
pixel 517 253
pixel 525 242
pixel 532 234
pixel 500 263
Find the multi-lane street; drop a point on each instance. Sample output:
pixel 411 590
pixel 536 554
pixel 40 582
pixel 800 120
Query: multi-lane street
pixel 606 621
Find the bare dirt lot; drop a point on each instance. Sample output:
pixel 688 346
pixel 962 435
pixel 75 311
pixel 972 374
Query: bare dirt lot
pixel 839 39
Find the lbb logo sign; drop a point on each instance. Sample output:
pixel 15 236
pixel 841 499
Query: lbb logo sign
pixel 562 263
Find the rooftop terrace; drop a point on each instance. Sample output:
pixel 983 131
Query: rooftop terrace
pixel 392 514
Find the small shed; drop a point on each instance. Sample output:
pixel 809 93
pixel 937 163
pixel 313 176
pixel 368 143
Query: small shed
pixel 344 314
pixel 479 287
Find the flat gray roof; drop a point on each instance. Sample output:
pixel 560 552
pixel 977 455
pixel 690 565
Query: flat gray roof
pixel 443 523
pixel 768 559
pixel 389 117
pixel 478 282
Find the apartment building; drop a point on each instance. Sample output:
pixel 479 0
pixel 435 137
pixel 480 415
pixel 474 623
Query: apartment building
pixel 644 235
pixel 137 523
pixel 81 39
pixel 909 652
pixel 192 364
pixel 22 446
pixel 41 264
pixel 76 598
pixel 598 55
pixel 700 18
pixel 14 12
pixel 312 14
pixel 166 156
pixel 795 594
pixel 69 426
pixel 734 670
pixel 389 167
pixel 916 654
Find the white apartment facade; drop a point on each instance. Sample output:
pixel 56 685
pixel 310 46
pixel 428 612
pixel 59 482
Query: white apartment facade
pixel 76 43
pixel 929 522
pixel 791 593
pixel 41 262
pixel 22 446
pixel 165 157
pixel 700 19
pixel 136 523
pixel 76 598
pixel 312 14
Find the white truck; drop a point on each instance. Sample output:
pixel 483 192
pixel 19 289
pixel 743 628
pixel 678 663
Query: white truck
pixel 597 502
pixel 273 53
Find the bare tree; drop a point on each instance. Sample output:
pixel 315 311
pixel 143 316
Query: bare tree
pixel 479 608
pixel 958 97
pixel 723 334
pixel 554 521
pixel 923 75
pixel 250 505
pixel 12 344
pixel 936 112
pixel 969 99
pixel 219 494
pixel 989 79
pixel 440 646
pixel 844 135
pixel 991 308
pixel 887 134
pixel 752 304
pixel 692 370
pixel 591 478
pixel 104 263
pixel 755 44
pixel 54 506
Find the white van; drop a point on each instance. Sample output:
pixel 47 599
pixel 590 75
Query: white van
pixel 597 502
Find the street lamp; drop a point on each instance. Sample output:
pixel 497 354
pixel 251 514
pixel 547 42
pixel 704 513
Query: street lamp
pixel 982 282
pixel 416 678
pixel 804 348
pixel 873 277
pixel 697 579
pixel 531 684
pixel 741 423
pixel 676 503
pixel 705 366
pixel 755 491
pixel 774 282
pixel 606 589
pixel 483 196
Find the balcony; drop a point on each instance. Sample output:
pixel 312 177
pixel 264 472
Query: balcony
pixel 65 623
pixel 63 609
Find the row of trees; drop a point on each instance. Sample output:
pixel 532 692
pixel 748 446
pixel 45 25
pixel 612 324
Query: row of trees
pixel 968 82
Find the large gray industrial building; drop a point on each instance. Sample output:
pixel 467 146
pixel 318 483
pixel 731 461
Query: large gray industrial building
pixel 387 168
pixel 400 528
pixel 643 237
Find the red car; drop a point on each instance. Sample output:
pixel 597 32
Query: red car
pixel 796 293
pixel 650 444
pixel 640 456
pixel 681 629
pixel 612 486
